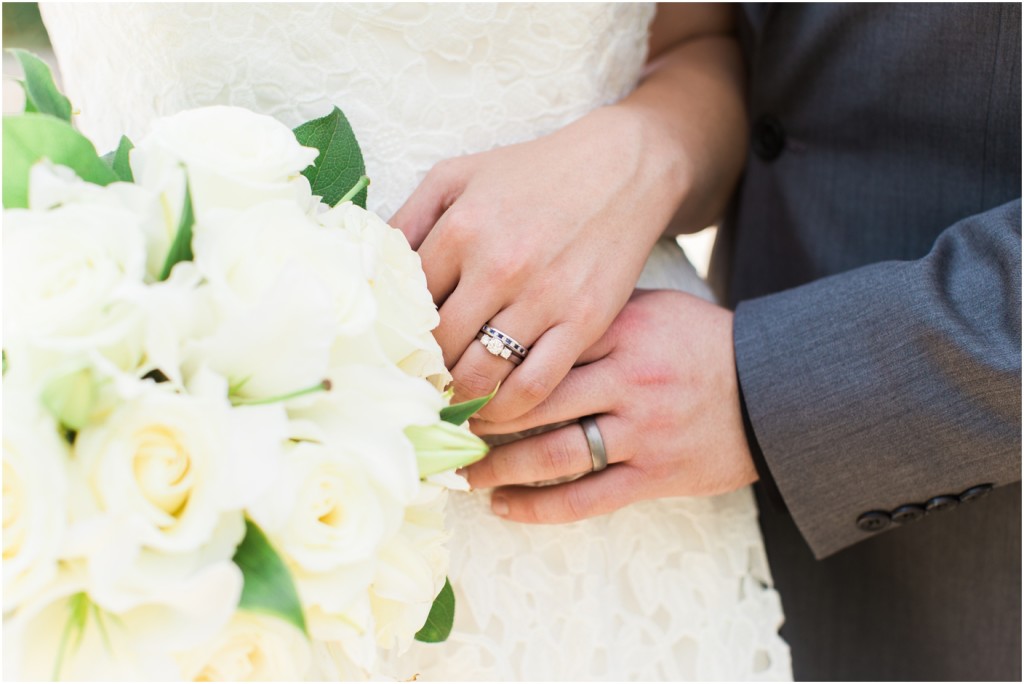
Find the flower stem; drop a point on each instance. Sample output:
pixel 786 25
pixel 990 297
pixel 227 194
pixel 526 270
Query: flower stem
pixel 322 386
pixel 356 189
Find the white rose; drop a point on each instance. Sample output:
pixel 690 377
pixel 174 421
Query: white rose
pixel 34 497
pixel 407 314
pixel 133 642
pixel 368 410
pixel 234 158
pixel 411 571
pixel 251 648
pixel 173 466
pixel 244 253
pixel 52 185
pixel 68 272
pixel 324 512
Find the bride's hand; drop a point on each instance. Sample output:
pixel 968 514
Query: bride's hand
pixel 662 383
pixel 544 241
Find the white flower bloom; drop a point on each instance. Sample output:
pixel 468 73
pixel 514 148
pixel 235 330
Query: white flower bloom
pixel 132 642
pixel 52 185
pixel 252 648
pixel 411 571
pixel 68 270
pixel 367 411
pixel 244 253
pixel 174 466
pixel 407 314
pixel 235 158
pixel 323 512
pixel 35 460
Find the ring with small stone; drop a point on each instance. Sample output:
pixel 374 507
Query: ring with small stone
pixel 506 340
pixel 496 347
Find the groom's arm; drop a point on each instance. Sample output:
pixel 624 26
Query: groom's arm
pixel 878 390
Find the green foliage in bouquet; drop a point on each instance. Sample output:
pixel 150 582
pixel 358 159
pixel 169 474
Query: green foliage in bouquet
pixel 267 586
pixel 45 131
pixel 41 94
pixel 338 173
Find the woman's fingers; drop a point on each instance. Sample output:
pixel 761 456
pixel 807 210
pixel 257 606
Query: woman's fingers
pixel 428 202
pixel 462 314
pixel 549 360
pixel 478 371
pixel 548 456
pixel 584 391
pixel 591 495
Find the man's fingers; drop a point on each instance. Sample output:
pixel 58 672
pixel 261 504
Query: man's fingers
pixel 591 495
pixel 584 391
pixel 547 456
pixel 547 364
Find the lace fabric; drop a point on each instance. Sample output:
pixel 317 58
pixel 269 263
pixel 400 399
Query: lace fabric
pixel 676 589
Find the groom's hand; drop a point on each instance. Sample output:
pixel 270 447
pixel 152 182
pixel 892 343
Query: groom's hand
pixel 662 384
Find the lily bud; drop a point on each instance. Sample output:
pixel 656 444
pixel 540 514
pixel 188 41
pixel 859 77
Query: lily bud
pixel 71 396
pixel 444 446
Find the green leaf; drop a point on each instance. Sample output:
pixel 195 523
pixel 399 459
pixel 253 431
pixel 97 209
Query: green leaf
pixel 28 138
pixel 118 160
pixel 339 165
pixel 457 414
pixel 181 248
pixel 441 618
pixel 267 586
pixel 41 94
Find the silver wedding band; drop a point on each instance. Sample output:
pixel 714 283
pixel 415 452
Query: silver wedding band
pixel 598 455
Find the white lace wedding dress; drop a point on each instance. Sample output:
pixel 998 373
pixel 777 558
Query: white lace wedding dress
pixel 664 590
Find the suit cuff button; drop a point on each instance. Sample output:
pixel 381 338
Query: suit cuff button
pixel 873 521
pixel 908 513
pixel 941 503
pixel 975 493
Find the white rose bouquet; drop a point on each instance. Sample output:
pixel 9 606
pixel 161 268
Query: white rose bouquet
pixel 226 443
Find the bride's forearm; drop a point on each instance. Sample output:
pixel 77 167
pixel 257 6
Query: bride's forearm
pixel 690 110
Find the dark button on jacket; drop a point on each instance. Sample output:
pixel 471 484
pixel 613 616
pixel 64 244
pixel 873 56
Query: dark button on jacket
pixel 768 138
pixel 941 503
pixel 907 513
pixel 873 521
pixel 975 493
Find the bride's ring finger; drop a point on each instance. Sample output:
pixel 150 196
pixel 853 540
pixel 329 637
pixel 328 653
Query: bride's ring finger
pixel 500 345
pixel 559 453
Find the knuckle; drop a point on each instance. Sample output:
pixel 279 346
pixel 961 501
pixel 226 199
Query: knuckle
pixel 460 227
pixel 558 457
pixel 649 373
pixel 472 383
pixel 534 390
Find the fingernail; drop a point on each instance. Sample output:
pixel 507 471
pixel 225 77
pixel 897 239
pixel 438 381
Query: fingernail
pixel 499 506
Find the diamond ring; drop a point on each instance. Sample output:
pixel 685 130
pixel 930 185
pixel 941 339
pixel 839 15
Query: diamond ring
pixel 506 340
pixel 500 344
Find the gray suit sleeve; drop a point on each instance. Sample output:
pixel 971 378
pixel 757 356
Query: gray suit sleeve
pixel 892 383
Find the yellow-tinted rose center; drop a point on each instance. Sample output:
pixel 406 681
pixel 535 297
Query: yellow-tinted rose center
pixel 327 506
pixel 163 468
pixel 239 660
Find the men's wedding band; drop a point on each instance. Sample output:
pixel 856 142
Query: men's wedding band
pixel 498 348
pixel 598 455
pixel 501 344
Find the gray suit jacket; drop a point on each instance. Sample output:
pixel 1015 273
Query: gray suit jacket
pixel 873 254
